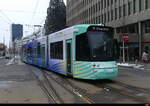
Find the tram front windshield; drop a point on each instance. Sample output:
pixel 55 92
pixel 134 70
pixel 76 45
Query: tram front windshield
pixel 95 46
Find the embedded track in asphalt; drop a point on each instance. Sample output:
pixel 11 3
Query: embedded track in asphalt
pixel 69 87
pixel 139 95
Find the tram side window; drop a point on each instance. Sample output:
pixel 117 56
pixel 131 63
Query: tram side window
pixel 25 52
pixel 38 51
pixel 56 50
pixel 22 51
pixel 43 51
pixel 35 52
pixel 29 51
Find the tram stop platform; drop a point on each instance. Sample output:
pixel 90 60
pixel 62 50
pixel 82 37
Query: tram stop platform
pixel 137 75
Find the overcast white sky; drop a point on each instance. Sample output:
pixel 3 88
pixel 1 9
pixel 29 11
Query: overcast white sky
pixel 26 12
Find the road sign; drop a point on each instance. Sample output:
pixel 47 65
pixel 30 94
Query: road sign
pixel 125 37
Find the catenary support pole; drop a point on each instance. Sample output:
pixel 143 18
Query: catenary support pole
pixel 140 40
pixel 123 52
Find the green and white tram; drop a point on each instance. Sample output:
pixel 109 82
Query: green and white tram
pixel 84 51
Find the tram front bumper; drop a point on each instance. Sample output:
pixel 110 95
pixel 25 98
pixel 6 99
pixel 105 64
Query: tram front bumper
pixel 106 73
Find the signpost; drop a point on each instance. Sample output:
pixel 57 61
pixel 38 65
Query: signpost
pixel 125 38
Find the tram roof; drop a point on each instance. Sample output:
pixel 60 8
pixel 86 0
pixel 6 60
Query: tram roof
pixel 82 28
pixel 78 29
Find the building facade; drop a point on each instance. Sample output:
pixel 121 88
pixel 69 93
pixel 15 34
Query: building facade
pixel 130 17
pixel 17 32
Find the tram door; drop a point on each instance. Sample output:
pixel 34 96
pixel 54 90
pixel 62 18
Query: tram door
pixel 69 56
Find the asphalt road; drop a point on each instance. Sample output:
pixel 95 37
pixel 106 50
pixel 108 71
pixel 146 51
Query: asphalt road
pixel 87 90
pixel 134 77
pixel 19 83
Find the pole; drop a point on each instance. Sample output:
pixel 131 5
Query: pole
pixel 140 40
pixel 123 52
pixel 4 45
pixel 14 51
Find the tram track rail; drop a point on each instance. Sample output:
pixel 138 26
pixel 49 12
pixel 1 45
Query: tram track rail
pixel 50 90
pixel 47 87
pixel 138 94
pixel 134 93
pixel 72 89
pixel 46 91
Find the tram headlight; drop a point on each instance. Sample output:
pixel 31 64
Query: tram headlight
pixel 96 69
pixel 94 65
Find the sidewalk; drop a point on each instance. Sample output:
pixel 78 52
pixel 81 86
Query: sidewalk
pixel 137 75
pixel 18 84
pixel 139 65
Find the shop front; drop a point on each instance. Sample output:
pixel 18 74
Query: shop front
pixel 130 47
pixel 146 47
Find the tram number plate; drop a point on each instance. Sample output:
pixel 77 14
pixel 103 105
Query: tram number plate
pixel 110 70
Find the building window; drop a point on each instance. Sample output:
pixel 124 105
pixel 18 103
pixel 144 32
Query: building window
pixel 102 19
pixel 147 3
pixel 105 18
pixel 124 10
pixel 99 19
pixel 105 4
pixel 111 1
pixel 125 29
pixel 115 13
pixel 141 5
pixel 99 5
pixel 56 50
pixel 129 8
pixel 102 4
pixel 108 3
pixel 135 6
pixel 112 15
pixel 147 27
pixel 108 16
pixel 133 28
pixel 118 30
pixel 120 12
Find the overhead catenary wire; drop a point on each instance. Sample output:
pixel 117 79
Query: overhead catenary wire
pixel 34 12
pixel 10 21
pixel 22 11
pixel 5 20
pixel 42 21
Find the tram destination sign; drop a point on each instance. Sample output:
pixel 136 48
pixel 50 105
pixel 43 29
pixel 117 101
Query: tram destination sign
pixel 97 28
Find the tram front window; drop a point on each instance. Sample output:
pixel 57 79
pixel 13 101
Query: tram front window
pixel 95 46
